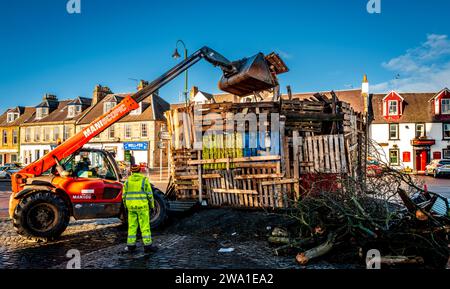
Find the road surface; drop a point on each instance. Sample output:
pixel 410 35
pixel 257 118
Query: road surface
pixel 438 185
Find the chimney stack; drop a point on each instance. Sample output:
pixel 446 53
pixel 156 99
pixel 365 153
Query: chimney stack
pixel 99 93
pixel 193 92
pixel 365 92
pixel 50 97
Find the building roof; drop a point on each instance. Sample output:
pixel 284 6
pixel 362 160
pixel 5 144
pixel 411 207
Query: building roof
pixel 59 113
pixel 416 108
pixel 208 96
pixel 84 101
pixel 153 108
pixel 25 114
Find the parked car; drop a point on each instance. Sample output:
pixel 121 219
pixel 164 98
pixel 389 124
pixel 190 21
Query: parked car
pixel 8 169
pixel 438 168
pixel 374 168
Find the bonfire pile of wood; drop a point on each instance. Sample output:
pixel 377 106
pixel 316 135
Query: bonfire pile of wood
pixel 390 212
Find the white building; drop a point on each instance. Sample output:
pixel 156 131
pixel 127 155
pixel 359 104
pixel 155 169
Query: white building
pixel 411 129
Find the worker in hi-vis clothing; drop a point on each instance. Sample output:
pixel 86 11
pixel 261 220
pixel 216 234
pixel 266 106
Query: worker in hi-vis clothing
pixel 138 199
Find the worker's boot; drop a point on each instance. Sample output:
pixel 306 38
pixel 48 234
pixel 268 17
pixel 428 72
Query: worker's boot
pixel 129 249
pixel 150 249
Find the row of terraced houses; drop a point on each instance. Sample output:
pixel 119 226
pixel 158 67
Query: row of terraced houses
pixel 27 133
pixel 409 129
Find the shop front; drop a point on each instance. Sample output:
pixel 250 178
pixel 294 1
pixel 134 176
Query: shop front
pixel 421 153
pixel 8 156
pixel 136 153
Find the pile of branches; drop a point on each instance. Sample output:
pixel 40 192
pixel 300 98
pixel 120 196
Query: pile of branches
pixel 390 212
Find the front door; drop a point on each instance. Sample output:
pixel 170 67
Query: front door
pixel 421 160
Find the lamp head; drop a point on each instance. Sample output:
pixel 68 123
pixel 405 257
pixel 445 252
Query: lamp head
pixel 175 54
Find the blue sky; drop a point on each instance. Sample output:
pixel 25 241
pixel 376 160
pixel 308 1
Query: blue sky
pixel 326 44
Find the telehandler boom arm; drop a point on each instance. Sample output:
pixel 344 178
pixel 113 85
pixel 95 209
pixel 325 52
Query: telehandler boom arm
pixel 240 77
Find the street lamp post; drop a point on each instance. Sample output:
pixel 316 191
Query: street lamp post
pixel 176 55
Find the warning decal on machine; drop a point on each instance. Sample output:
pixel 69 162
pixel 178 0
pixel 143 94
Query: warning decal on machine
pixel 87 191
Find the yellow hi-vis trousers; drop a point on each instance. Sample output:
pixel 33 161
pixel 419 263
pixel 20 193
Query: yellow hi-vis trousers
pixel 139 217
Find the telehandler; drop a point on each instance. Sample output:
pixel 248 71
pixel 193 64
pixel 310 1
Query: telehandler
pixel 47 192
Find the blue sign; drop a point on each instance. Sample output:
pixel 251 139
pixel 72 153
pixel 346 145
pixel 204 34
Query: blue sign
pixel 135 146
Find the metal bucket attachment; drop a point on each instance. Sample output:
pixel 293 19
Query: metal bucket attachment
pixel 253 74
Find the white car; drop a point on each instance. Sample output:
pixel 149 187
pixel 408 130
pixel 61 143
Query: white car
pixel 438 168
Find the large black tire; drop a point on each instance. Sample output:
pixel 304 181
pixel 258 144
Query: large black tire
pixel 159 215
pixel 41 215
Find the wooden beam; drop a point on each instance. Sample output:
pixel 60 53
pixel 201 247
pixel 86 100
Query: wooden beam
pixel 280 182
pixel 259 176
pixel 234 160
pixel 266 165
pixel 235 191
pixel 293 116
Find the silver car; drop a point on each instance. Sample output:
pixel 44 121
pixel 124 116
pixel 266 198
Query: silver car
pixel 7 170
pixel 438 168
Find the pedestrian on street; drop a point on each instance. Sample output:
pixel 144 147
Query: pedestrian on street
pixel 138 199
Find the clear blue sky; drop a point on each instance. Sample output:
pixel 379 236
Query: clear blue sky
pixel 326 44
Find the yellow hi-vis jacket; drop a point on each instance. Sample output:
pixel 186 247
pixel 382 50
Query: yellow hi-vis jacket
pixel 137 192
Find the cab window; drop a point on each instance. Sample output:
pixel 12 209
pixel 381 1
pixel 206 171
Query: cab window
pixel 90 165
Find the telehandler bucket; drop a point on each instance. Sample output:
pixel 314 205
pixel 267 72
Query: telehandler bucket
pixel 253 74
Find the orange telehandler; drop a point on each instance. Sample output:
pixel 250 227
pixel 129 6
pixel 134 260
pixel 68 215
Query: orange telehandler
pixel 86 183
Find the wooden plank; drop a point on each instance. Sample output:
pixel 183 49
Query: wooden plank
pixel 234 160
pixel 331 152
pixel 186 187
pixel 253 184
pixel 327 168
pixel 287 167
pixel 282 138
pixel 186 130
pixel 296 143
pixel 256 165
pixel 305 155
pixel 235 191
pixel 342 151
pixel 222 183
pixel 310 152
pixel 321 154
pixel 336 153
pixel 316 154
pixel 258 176
pixel 211 176
pixel 176 128
pixel 279 182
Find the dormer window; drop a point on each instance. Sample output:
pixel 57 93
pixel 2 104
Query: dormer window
pixel 445 106
pixel 12 116
pixel 73 110
pixel 138 110
pixel 393 107
pixel 107 106
pixel 41 112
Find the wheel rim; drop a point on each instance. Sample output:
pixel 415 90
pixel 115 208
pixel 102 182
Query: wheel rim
pixel 42 217
pixel 155 212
